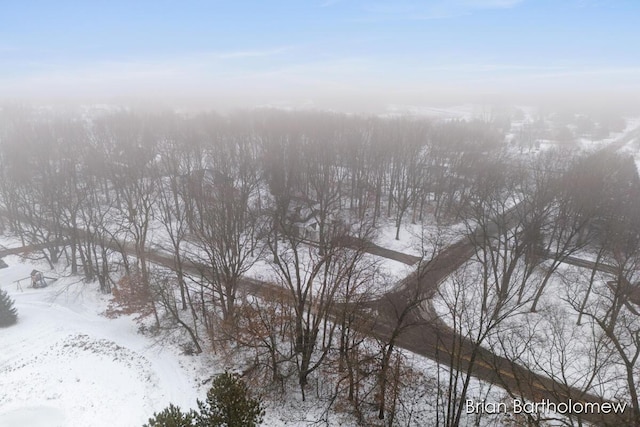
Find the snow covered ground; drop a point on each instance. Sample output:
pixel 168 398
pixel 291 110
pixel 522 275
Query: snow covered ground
pixel 65 364
pixel 550 342
pixel 417 239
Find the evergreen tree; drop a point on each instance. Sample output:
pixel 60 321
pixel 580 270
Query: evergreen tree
pixel 172 416
pixel 228 404
pixel 8 313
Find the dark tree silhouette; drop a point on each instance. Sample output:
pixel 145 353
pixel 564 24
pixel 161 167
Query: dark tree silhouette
pixel 229 404
pixel 8 313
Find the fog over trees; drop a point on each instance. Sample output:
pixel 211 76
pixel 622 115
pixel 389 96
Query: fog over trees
pixel 259 235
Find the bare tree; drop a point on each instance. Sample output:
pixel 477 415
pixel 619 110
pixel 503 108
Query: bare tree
pixel 227 222
pixel 314 277
pixel 407 169
pixel 130 149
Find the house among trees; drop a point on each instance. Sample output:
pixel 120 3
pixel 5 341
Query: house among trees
pixel 307 222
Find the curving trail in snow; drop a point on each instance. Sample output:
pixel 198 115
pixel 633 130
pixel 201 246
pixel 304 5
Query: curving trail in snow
pixel 64 364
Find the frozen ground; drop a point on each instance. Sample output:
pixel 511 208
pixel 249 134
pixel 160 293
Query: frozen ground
pixel 549 341
pixel 64 364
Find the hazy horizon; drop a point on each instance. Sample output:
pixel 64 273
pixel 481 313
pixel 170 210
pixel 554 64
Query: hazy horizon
pixel 347 55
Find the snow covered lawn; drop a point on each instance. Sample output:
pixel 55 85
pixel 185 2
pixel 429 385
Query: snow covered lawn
pixel 64 364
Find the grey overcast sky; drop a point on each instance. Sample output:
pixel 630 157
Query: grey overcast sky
pixel 343 54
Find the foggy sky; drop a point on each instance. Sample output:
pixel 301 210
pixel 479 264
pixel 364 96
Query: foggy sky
pixel 352 55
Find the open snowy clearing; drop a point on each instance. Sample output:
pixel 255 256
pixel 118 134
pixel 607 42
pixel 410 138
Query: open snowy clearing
pixel 64 364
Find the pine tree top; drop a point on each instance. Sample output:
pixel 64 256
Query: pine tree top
pixel 8 313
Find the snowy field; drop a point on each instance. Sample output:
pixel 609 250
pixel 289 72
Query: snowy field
pixel 64 364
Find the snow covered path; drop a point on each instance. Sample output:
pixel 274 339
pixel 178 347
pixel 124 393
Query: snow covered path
pixel 64 364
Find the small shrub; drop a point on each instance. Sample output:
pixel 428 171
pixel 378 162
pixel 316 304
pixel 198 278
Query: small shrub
pixel 131 296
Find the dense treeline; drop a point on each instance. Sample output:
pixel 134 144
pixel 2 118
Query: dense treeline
pixel 123 169
pixel 303 193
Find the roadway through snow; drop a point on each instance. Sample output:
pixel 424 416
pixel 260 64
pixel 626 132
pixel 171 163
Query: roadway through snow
pixel 416 329
pixel 423 334
pixel 23 249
